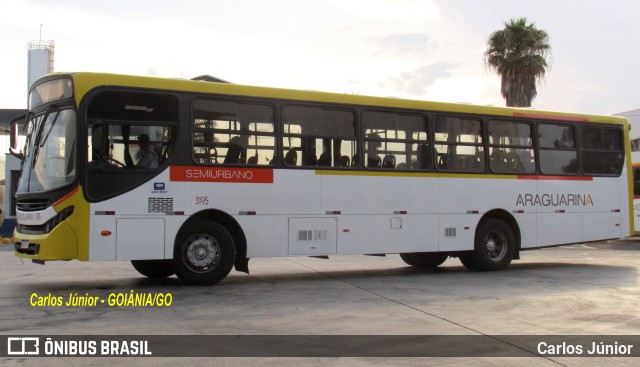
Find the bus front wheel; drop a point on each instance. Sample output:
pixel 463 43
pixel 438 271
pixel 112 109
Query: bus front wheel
pixel 204 253
pixel 155 269
pixel 494 248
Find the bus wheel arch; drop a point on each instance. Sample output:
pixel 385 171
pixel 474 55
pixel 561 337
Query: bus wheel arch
pixel 230 225
pixel 496 242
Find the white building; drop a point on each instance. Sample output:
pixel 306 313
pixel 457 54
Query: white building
pixel 40 60
pixel 634 120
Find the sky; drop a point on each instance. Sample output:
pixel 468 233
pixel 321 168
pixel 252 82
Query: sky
pixel 418 49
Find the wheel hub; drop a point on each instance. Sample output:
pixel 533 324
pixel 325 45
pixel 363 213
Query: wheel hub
pixel 203 252
pixel 494 246
pixel 491 245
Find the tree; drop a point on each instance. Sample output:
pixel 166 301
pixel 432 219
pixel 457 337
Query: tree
pixel 518 53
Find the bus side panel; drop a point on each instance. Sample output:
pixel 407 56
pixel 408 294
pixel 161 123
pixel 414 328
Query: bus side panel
pixel 291 192
pixel 382 195
pixel 559 228
pixel 457 231
pixel 599 226
pixel 134 231
pixel 269 236
pixel 266 235
pixel 527 222
pixel 102 247
pixel 577 210
pixel 383 234
pixel 132 226
pixel 605 215
pixel 463 202
pixel 379 213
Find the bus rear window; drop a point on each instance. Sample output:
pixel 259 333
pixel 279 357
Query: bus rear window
pixel 601 150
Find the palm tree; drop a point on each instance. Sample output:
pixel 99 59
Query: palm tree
pixel 518 53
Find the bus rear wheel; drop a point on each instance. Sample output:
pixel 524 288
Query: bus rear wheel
pixel 424 259
pixel 155 269
pixel 204 253
pixel 494 248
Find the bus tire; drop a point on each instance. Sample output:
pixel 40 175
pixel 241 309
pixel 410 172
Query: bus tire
pixel 469 261
pixel 426 260
pixel 204 253
pixel 155 269
pixel 494 248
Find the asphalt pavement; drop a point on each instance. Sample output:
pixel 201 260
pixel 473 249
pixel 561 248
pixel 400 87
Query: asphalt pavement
pixel 587 290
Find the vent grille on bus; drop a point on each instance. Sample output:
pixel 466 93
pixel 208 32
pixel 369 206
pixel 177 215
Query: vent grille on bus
pixel 450 232
pixel 160 205
pixel 32 205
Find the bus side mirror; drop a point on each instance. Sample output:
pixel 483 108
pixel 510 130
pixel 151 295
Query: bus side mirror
pixel 14 149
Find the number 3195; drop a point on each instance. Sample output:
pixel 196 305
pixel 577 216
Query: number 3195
pixel 202 200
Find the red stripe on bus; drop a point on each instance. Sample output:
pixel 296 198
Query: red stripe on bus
pixel 220 174
pixel 551 117
pixel 556 178
pixel 66 196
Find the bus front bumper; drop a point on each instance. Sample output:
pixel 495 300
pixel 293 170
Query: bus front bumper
pixel 59 244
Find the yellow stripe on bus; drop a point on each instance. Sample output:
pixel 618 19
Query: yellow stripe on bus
pixel 412 174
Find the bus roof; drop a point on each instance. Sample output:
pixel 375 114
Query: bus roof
pixel 85 81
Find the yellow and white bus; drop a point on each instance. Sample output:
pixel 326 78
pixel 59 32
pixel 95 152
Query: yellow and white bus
pixel 193 178
pixel 636 196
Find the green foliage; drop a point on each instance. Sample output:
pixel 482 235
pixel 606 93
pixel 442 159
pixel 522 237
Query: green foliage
pixel 518 53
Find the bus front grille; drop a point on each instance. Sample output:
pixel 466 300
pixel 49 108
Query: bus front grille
pixel 32 205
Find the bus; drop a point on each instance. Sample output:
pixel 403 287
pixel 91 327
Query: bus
pixel 636 196
pixel 194 178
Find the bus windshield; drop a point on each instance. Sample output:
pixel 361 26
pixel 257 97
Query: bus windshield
pixel 50 151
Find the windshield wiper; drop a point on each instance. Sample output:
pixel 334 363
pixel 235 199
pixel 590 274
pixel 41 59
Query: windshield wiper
pixel 36 143
pixel 50 128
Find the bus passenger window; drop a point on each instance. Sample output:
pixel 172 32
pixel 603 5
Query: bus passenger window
pixel 396 141
pixel 601 150
pixel 459 145
pixel 133 138
pixel 116 146
pixel 511 147
pixel 319 137
pixel 558 153
pixel 130 135
pixel 233 133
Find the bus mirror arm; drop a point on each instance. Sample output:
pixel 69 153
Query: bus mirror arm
pixel 14 135
pixel 16 153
